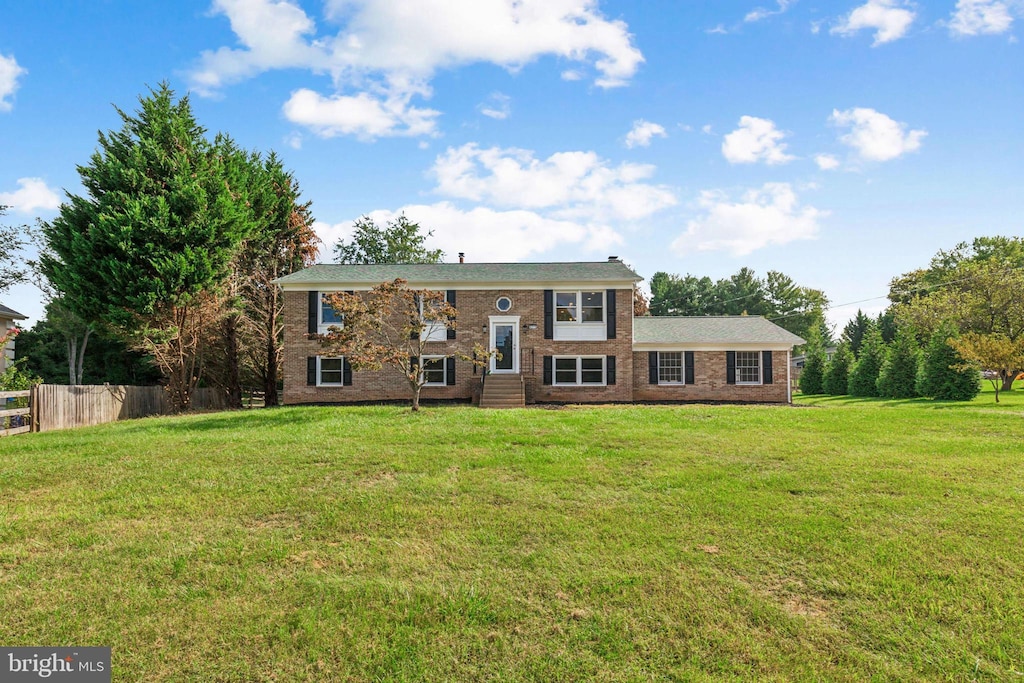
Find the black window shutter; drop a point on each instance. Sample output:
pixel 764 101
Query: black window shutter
pixel 451 300
pixel 547 369
pixel 609 303
pixel 549 314
pixel 314 310
pixel 652 367
pixel 449 371
pixel 413 334
pixel 311 371
pixel 346 373
pixel 689 367
pixel 766 367
pixel 730 367
pixel 609 369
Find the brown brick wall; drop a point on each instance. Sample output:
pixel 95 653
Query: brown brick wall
pixel 709 382
pixel 474 308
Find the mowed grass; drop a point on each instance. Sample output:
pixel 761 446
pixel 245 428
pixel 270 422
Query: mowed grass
pixel 836 540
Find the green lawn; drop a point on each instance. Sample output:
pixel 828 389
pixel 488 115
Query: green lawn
pixel 837 540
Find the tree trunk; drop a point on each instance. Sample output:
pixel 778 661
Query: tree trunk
pixel 81 355
pixel 232 379
pixel 72 348
pixel 1008 377
pixel 415 398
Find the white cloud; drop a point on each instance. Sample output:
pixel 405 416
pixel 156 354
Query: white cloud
pixel 386 52
pixel 763 13
pixel 977 17
pixel 293 140
pixel 32 195
pixel 642 133
pixel 706 129
pixel 569 185
pixel 571 75
pixel 10 71
pixel 826 162
pixel 523 233
pixel 362 115
pixel 875 136
pixel 498 106
pixel 890 19
pixel 755 140
pixel 771 215
pixel 719 30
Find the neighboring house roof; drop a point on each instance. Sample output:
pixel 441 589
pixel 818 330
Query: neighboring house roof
pixel 11 314
pixel 418 274
pixel 711 331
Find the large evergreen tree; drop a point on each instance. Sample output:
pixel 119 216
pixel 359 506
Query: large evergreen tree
pixel 864 375
pixel 855 330
pixel 898 376
pixel 157 229
pixel 945 375
pixel 837 372
pixel 812 375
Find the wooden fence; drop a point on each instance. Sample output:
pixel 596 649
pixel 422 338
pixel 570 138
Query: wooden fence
pixel 15 413
pixel 57 406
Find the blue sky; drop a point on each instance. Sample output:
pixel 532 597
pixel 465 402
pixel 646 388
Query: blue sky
pixel 841 142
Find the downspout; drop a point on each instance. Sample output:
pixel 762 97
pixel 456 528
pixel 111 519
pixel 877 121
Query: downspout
pixel 789 382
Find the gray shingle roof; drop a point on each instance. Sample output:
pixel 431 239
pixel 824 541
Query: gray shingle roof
pixel 752 329
pixel 11 313
pixel 462 273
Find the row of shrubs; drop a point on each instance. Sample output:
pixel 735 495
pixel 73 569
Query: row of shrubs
pixel 897 370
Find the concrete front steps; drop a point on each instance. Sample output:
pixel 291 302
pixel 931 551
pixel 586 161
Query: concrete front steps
pixel 503 391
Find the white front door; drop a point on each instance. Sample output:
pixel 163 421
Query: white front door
pixel 505 340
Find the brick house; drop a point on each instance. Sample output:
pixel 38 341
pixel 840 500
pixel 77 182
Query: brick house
pixel 566 333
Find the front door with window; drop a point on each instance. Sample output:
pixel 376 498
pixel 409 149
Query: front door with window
pixel 505 339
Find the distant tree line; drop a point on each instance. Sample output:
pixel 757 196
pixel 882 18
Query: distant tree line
pixel 945 323
pixel 776 297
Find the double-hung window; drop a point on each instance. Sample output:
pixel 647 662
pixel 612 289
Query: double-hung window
pixel 580 315
pixel 328 316
pixel 330 372
pixel 433 370
pixel 433 330
pixel 748 367
pixel 670 367
pixel 579 370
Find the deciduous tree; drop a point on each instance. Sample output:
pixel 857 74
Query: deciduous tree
pixel 399 241
pixel 988 351
pixel 388 326
pixel 12 241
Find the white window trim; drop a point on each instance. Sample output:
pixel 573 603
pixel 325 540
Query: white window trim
pixel 760 370
pixel 508 310
pixel 324 327
pixel 444 370
pixel 579 308
pixel 319 372
pixel 682 370
pixel 579 372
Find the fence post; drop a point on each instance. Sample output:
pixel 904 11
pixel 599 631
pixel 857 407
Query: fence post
pixel 33 406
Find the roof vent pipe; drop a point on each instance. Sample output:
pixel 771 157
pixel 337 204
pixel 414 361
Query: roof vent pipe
pixel 462 257
pixel 613 259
